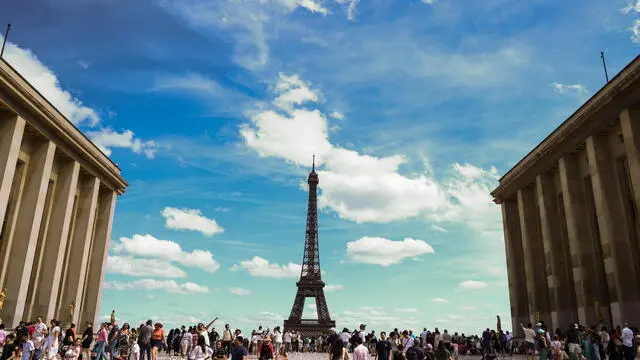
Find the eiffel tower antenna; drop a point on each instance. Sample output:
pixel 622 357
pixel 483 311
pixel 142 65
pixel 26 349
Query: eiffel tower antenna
pixel 313 163
pixel 310 284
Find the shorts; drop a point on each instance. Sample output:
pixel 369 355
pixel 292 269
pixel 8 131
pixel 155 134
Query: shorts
pixel 157 343
pixel 529 346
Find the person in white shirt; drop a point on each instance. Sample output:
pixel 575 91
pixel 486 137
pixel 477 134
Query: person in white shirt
pixel 277 339
pixel 51 344
pixel 529 340
pixel 627 343
pixel 27 348
pixel 134 354
pixel 200 351
pixel 423 337
pixel 360 352
pixel 362 333
pixel 287 341
pixel 407 341
pixel 39 332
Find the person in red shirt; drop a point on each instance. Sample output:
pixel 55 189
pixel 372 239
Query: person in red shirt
pixel 266 350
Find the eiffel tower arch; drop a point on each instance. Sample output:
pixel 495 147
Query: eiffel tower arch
pixel 310 284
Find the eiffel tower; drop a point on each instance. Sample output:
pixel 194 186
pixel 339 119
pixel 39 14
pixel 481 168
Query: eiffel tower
pixel 310 284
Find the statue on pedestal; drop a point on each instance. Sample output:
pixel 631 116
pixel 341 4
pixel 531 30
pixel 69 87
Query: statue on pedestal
pixel 72 309
pixel 113 317
pixel 3 295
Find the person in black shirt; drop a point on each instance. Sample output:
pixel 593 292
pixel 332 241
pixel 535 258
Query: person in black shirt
pixel 9 347
pixel 239 352
pixel 383 347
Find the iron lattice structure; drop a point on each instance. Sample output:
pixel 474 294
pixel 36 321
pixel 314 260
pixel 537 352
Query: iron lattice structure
pixel 310 284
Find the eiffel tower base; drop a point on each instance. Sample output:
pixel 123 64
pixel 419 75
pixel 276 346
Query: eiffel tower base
pixel 309 327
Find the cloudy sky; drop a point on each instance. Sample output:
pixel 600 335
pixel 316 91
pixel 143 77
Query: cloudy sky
pixel 414 109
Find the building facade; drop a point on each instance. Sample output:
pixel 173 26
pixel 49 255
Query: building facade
pixel 57 197
pixel 570 215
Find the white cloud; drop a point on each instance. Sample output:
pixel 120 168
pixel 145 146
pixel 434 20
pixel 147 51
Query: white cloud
pixel 260 267
pixel 472 285
pixel 157 285
pixel 631 7
pixel 440 300
pixel 429 2
pixel 381 251
pixel 337 115
pixel 333 287
pixel 438 228
pixel 311 5
pixel 351 8
pixel 47 83
pixel 150 247
pixel 566 88
pixel 407 310
pixel 293 91
pixel 365 188
pixel 127 265
pixel 107 138
pixel 635 31
pixel 312 306
pixel 240 291
pixel 189 82
pixel 190 219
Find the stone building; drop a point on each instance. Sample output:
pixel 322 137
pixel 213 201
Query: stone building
pixel 571 222
pixel 57 196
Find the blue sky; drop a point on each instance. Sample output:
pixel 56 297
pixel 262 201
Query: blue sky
pixel 213 108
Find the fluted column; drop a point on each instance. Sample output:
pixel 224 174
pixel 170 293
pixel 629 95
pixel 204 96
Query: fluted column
pixel 534 261
pixel 619 254
pixel 515 265
pixel 587 274
pixel 559 280
pixel 56 243
pixel 26 234
pixel 98 261
pixel 11 131
pixel 630 125
pixel 79 254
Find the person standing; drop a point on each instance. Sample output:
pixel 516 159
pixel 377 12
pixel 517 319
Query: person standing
pixel 383 347
pixel 239 352
pixel 287 340
pixel 529 341
pixel 227 338
pixel 144 339
pixel 407 341
pixel 87 339
pixel 157 340
pixel 101 342
pixel 51 344
pixel 360 352
pixel 627 343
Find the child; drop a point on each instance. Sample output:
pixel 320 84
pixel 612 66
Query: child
pixel 9 347
pixel 27 348
pixel 134 354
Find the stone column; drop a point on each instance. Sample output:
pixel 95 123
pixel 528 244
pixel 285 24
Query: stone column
pixel 11 130
pixel 616 242
pixel 515 266
pixel 26 233
pixel 534 262
pixel 630 125
pixel 98 261
pixel 560 282
pixel 79 254
pixel 56 243
pixel 587 278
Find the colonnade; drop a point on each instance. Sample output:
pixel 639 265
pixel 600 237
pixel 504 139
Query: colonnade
pixel 56 220
pixel 572 234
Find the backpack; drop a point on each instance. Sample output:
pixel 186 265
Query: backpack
pixel 265 352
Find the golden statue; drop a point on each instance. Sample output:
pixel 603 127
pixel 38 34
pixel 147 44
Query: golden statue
pixel 537 316
pixel 3 295
pixel 598 309
pixel 72 309
pixel 113 316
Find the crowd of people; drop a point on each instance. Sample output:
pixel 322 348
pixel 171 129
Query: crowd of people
pixel 39 341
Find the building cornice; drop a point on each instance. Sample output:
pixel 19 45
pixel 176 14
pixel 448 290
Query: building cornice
pixel 55 125
pixel 595 114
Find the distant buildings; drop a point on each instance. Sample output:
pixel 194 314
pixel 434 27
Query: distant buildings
pixel 571 222
pixel 57 197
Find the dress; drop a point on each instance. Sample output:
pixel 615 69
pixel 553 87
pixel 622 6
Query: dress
pixel 51 349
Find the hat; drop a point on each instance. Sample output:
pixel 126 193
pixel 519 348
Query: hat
pixel 333 330
pixel 267 338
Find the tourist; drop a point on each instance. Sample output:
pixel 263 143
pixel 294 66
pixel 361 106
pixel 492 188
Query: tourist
pixel 627 343
pixel 203 331
pixel 227 338
pixel 360 352
pixel 398 354
pixel 3 335
pixel 144 339
pixel 87 339
pixel 407 341
pixel 239 352
pixel 383 347
pixel 529 341
pixel 542 344
pixel 101 342
pixel 51 344
pixel 338 351
pixel 185 344
pixel 28 348
pixel 344 336
pixel 157 340
pixel 134 351
pixel 122 338
pixel 74 350
pixel 9 347
pixel 266 350
pixel 446 339
pixel 201 351
pixel 70 336
pixel 287 340
pixel 442 353
pixel 415 352
pixel 277 339
pixel 220 353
